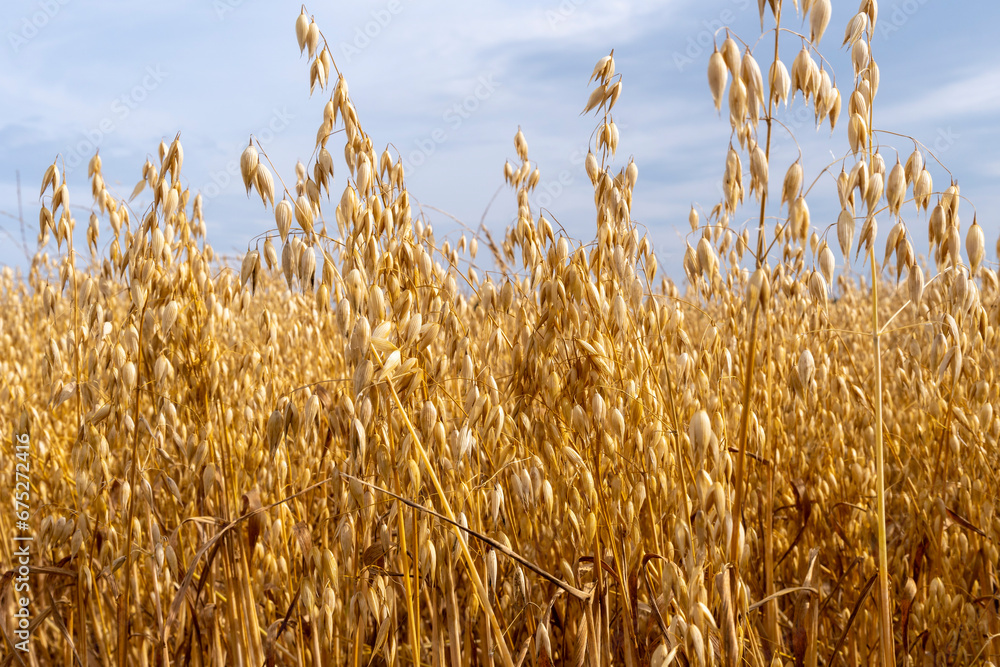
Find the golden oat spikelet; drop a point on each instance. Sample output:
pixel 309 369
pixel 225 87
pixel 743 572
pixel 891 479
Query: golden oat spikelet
pixel 897 235
pixel 975 245
pixel 827 263
pixel 264 183
pixel 304 214
pixel 845 232
pixel 779 81
pixel 717 75
pixel 860 57
pixel 857 133
pixel 915 283
pixel 283 218
pixel 834 114
pixel 521 145
pixel 798 216
pixel 248 166
pixel 758 170
pixel 922 189
pixel 855 28
pixel 753 80
pixel 806 368
pixel 94 166
pixel 758 290
pixel 818 288
pixel 708 262
pixel 793 183
pixel 270 254
pixel 302 29
pixel 895 188
pixel 738 104
pixel 51 177
pixel 914 166
pixel 312 38
pixel 604 69
pixel 874 192
pixel 801 67
pixel 936 224
pixel 731 53
pixel 597 97
pixel 869 230
pixel 819 19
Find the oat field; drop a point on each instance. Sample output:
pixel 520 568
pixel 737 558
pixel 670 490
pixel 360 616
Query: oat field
pixel 360 444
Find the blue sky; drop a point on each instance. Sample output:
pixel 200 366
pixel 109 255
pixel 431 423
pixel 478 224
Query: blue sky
pixel 448 83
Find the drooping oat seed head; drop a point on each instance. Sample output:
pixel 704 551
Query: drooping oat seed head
pixel 283 218
pixel 758 170
pixel 798 216
pixel 700 433
pixel 708 262
pixel 914 166
pixel 264 183
pixel 936 224
pixel 855 28
pixel 793 182
pixel 806 369
pixel 895 188
pixel 819 19
pixel 779 81
pixel 860 56
pixel 869 230
pixel 827 263
pixel 248 165
pixel 758 290
pixel 302 29
pixel 521 145
pixel 717 76
pixel 975 245
pixel 731 53
pixel 818 288
pixel 304 214
pixel 922 189
pixel 915 284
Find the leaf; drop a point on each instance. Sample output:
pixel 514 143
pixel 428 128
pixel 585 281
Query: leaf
pixel 963 522
pixel 850 619
pixel 255 524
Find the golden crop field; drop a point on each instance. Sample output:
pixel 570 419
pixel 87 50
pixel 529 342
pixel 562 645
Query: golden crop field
pixel 364 445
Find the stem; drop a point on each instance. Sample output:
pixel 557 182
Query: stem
pixel 412 621
pixel 466 555
pixel 71 257
pixel 123 601
pixel 734 543
pixel 771 607
pixel 886 651
pixel 886 648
